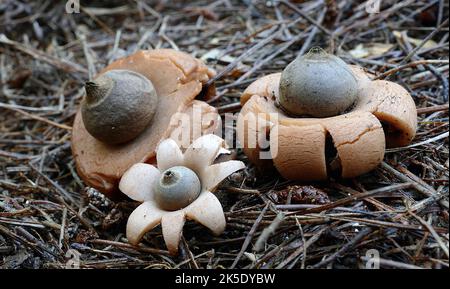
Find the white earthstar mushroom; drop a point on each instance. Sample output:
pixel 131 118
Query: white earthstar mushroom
pixel 141 181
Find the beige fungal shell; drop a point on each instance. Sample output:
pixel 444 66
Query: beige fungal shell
pixel 177 78
pixel 349 145
pixel 140 184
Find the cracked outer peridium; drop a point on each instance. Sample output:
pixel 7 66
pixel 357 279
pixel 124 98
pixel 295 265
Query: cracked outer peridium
pixel 384 115
pixel 178 78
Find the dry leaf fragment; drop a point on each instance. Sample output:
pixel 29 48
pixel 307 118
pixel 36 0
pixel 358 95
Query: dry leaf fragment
pixel 404 37
pixel 301 195
pixel 369 50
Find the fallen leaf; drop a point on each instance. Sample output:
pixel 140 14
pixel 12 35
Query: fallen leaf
pixel 368 50
pixel 301 195
pixel 14 261
pixel 217 54
pixel 84 236
pixel 429 44
pixel 250 256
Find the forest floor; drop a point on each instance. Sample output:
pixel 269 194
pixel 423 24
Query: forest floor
pixel 398 212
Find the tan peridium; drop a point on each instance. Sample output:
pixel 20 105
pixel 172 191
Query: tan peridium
pixel 384 114
pixel 300 151
pixel 177 78
pixel 394 107
pixel 266 86
pixel 140 183
pixel 253 129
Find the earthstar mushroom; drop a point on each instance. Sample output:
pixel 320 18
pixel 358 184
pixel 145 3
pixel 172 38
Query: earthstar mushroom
pixel 347 144
pixel 142 182
pixel 177 78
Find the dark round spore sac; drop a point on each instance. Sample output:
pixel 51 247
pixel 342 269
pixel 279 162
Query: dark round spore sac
pixel 317 84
